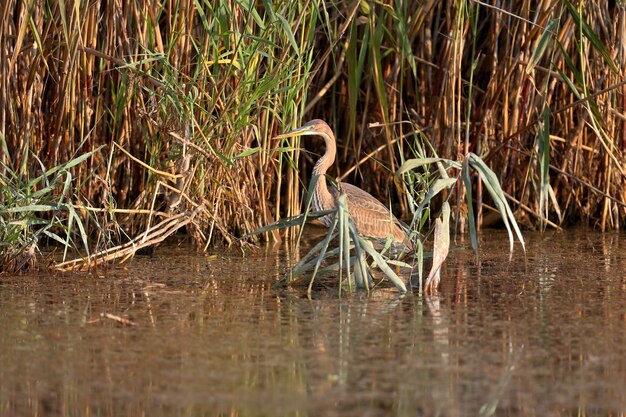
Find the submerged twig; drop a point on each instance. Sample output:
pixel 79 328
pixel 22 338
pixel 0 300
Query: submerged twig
pixel 121 320
pixel 152 236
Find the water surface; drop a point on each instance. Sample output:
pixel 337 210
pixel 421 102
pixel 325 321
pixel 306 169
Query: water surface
pixel 542 335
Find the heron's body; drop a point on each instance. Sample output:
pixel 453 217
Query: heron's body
pixel 370 216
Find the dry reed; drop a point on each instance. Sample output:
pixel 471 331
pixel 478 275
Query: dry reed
pixel 186 94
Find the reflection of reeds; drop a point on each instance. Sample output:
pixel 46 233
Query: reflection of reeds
pixel 537 92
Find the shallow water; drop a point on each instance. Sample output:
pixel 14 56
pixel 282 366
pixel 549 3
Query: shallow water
pixel 543 335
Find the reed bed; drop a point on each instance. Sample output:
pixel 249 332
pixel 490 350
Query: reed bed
pixel 184 96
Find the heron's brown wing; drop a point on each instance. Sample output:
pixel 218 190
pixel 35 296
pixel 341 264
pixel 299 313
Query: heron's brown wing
pixel 370 216
pixel 362 200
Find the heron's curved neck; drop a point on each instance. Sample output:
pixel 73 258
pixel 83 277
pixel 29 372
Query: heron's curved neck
pixel 320 168
pixel 326 161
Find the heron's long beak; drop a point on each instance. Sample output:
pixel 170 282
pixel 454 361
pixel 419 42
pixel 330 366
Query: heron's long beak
pixel 304 130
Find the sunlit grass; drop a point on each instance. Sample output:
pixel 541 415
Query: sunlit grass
pixel 37 211
pixel 185 99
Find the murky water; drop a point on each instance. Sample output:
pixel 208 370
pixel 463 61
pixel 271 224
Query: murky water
pixel 543 335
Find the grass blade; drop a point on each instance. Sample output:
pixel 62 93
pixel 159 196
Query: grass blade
pixel 322 254
pixel 467 182
pixel 411 164
pixel 493 186
pixel 389 273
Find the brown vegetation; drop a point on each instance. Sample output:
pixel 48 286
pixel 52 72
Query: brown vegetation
pixel 185 99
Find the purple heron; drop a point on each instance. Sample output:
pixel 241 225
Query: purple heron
pixel 370 216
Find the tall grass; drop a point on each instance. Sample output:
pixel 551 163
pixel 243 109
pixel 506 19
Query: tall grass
pixel 509 83
pixel 184 96
pixel 39 209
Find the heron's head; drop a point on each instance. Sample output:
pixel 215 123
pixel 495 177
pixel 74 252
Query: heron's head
pixel 313 127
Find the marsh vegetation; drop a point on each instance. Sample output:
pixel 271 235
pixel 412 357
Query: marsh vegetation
pixel 123 123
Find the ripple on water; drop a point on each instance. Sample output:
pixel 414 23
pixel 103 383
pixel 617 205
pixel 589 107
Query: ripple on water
pixel 543 335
